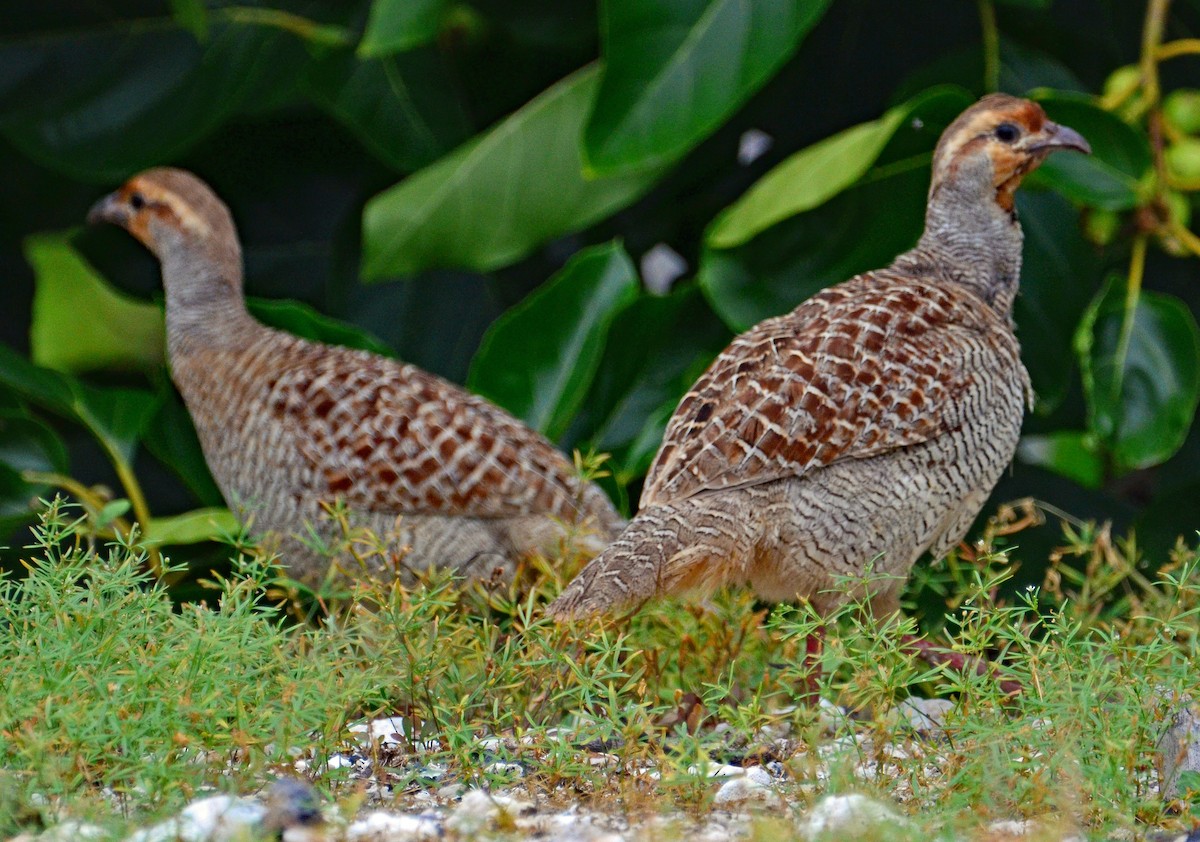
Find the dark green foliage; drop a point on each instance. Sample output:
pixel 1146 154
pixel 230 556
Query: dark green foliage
pixel 501 167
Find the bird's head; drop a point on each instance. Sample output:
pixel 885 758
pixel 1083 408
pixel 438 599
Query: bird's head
pixel 171 212
pixel 997 142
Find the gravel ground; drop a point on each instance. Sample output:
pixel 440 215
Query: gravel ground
pixel 407 797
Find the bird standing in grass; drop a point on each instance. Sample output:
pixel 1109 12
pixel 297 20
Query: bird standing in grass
pixel 290 426
pixel 863 428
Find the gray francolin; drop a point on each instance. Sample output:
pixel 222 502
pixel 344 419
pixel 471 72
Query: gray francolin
pixel 288 425
pixel 863 428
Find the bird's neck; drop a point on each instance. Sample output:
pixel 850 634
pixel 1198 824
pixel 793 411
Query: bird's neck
pixel 970 240
pixel 206 309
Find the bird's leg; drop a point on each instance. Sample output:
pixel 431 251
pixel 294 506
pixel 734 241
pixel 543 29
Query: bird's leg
pixel 936 655
pixel 813 644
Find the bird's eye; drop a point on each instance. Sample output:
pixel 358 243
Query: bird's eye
pixel 137 201
pixel 1007 132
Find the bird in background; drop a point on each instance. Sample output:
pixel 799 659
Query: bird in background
pixel 289 426
pixel 825 450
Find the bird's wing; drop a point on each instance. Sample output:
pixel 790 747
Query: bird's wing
pixel 871 365
pixel 385 436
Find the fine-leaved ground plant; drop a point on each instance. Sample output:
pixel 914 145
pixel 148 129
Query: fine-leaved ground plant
pixel 121 705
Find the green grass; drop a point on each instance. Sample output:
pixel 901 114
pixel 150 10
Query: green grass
pixel 120 705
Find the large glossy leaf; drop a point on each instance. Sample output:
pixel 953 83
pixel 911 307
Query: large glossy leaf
pixel 25 445
pixel 299 319
pixel 676 69
pixel 461 305
pixel 1059 276
pixel 171 438
pixel 80 323
pixel 858 230
pixel 403 108
pixel 502 194
pixel 99 104
pixel 116 417
pixel 539 358
pixel 1140 358
pixel 1113 176
pixel 396 25
pixel 1068 453
pixel 192 527
pixel 1022 68
pixel 192 16
pixel 814 175
pixel 656 349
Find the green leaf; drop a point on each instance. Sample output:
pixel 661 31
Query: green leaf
pixel 1059 275
pixel 99 104
pixel 80 322
pixel 301 320
pixel 192 527
pixel 192 16
pixel 539 358
pixel 1111 177
pixel 171 438
pixel 813 176
pixel 404 108
pixel 26 445
pixel 112 510
pixel 676 69
pixel 1069 453
pixel 657 347
pixel 396 25
pixel 491 201
pixel 116 417
pixel 1140 358
pixel 807 253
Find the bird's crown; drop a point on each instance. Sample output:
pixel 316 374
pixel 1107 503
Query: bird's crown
pixel 1012 134
pixel 165 199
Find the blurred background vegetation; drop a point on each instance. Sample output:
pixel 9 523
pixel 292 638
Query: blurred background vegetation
pixel 572 207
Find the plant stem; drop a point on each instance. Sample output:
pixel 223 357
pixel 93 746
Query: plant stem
pixel 141 511
pixel 1152 35
pixel 1174 49
pixel 90 499
pixel 991 46
pixel 302 27
pixel 1133 291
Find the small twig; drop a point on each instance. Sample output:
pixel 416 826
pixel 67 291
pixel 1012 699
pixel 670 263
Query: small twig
pixel 1174 49
pixel 991 46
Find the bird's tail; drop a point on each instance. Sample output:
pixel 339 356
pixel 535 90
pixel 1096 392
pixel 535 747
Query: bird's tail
pixel 665 550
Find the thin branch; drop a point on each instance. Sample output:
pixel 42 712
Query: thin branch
pixel 991 46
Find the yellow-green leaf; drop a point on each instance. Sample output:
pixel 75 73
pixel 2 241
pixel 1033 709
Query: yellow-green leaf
pixel 192 527
pixel 80 323
pixel 815 175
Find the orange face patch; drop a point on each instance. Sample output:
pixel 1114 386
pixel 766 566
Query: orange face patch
pixel 157 203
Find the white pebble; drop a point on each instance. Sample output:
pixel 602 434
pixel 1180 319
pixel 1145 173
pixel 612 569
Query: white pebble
pixel 1010 827
pixel 72 830
pixel 388 731
pixel 755 785
pixel 717 770
pixel 926 716
pixel 220 818
pixel 1178 749
pixel 477 809
pixel 391 827
pixel 850 816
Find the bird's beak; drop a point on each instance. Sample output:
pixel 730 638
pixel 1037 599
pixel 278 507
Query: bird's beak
pixel 108 209
pixel 1054 137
